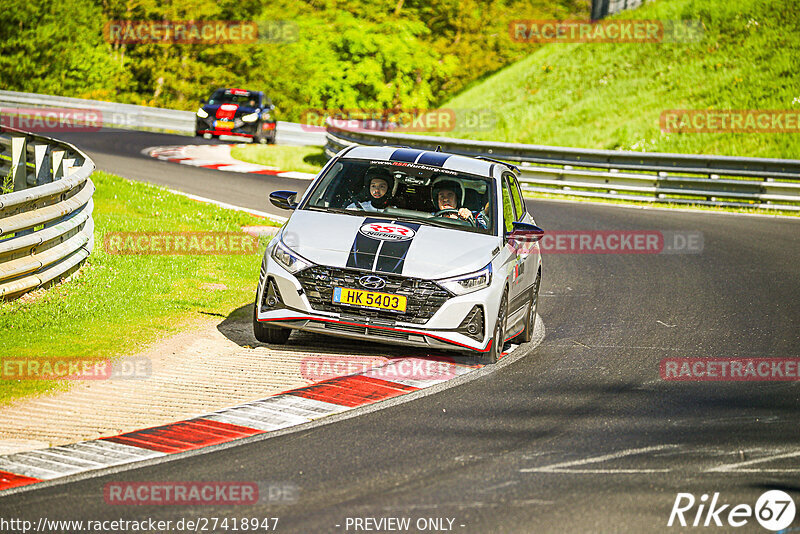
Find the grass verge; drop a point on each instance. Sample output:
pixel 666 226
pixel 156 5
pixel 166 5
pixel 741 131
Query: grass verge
pixel 611 95
pixel 117 304
pixel 287 158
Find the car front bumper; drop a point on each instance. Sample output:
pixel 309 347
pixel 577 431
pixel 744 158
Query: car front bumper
pixel 240 128
pixel 293 309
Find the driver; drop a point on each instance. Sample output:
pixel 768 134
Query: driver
pixel 448 195
pixel 378 183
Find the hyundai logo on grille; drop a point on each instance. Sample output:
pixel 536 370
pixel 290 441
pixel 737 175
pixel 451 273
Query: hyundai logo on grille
pixel 372 282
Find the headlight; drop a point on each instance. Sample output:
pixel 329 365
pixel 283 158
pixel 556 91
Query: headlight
pixel 202 113
pixel 250 118
pixel 289 259
pixel 461 285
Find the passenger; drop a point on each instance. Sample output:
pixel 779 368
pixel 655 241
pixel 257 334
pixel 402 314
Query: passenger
pixel 448 195
pixel 379 189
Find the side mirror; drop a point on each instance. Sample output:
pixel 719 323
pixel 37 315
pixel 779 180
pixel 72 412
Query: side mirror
pixel 525 233
pixel 283 199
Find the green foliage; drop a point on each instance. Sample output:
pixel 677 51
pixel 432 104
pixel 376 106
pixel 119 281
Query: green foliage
pixel 381 54
pixel 7 186
pixel 55 48
pixel 611 95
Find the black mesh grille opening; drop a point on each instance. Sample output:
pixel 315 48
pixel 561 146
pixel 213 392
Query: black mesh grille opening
pixel 424 298
pixel 346 328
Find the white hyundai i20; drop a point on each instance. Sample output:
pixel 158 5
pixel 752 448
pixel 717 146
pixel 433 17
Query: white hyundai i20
pixel 404 246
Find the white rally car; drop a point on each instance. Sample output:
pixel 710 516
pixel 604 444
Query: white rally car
pixel 408 247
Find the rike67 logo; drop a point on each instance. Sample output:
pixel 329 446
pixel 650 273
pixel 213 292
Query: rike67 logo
pixel 774 510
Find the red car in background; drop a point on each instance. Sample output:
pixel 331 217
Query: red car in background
pixel 237 113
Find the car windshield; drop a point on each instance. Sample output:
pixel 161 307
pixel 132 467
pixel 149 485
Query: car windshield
pixel 242 99
pixel 423 193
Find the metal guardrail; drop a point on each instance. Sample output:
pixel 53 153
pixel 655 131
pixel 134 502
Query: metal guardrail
pixel 132 117
pixel 641 176
pixel 46 226
pixel 110 114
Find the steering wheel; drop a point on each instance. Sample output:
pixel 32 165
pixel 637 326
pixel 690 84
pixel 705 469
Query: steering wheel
pixel 446 213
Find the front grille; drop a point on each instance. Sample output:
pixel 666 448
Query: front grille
pixel 378 332
pixel 424 297
pixel 353 329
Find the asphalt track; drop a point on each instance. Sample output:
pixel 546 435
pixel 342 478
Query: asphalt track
pixel 580 435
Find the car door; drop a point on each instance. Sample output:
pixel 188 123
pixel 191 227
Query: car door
pixel 523 271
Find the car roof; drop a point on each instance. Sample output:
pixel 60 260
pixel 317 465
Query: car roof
pixel 444 160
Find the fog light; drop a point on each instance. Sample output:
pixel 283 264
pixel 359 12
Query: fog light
pixel 272 297
pixel 473 324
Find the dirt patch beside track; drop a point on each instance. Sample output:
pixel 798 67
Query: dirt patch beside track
pixel 210 366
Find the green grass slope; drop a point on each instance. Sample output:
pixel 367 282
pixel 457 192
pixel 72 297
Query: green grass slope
pixel 611 95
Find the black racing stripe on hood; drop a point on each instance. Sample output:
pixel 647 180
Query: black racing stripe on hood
pixel 392 255
pixel 434 159
pixel 406 154
pixel 362 253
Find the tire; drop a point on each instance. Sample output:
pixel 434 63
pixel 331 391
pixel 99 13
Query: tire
pixel 272 137
pixel 273 335
pixel 530 320
pixel 498 337
pixel 259 137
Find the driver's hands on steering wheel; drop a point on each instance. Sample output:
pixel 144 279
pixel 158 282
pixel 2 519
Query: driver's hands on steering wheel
pixel 462 213
pixel 465 214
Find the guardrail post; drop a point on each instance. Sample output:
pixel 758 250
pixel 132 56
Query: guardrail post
pixel 56 159
pixel 661 175
pixel 41 155
pixel 67 164
pixel 19 171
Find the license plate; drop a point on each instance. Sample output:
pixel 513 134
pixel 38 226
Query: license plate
pixel 224 125
pixel 369 299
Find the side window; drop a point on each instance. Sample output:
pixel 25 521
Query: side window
pixel 516 196
pixel 508 207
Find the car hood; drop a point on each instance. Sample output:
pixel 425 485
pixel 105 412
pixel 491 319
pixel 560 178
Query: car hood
pixel 228 110
pixel 341 240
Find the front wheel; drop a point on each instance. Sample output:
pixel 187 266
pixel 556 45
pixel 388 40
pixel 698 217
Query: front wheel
pixel 259 138
pixel 274 335
pixel 494 352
